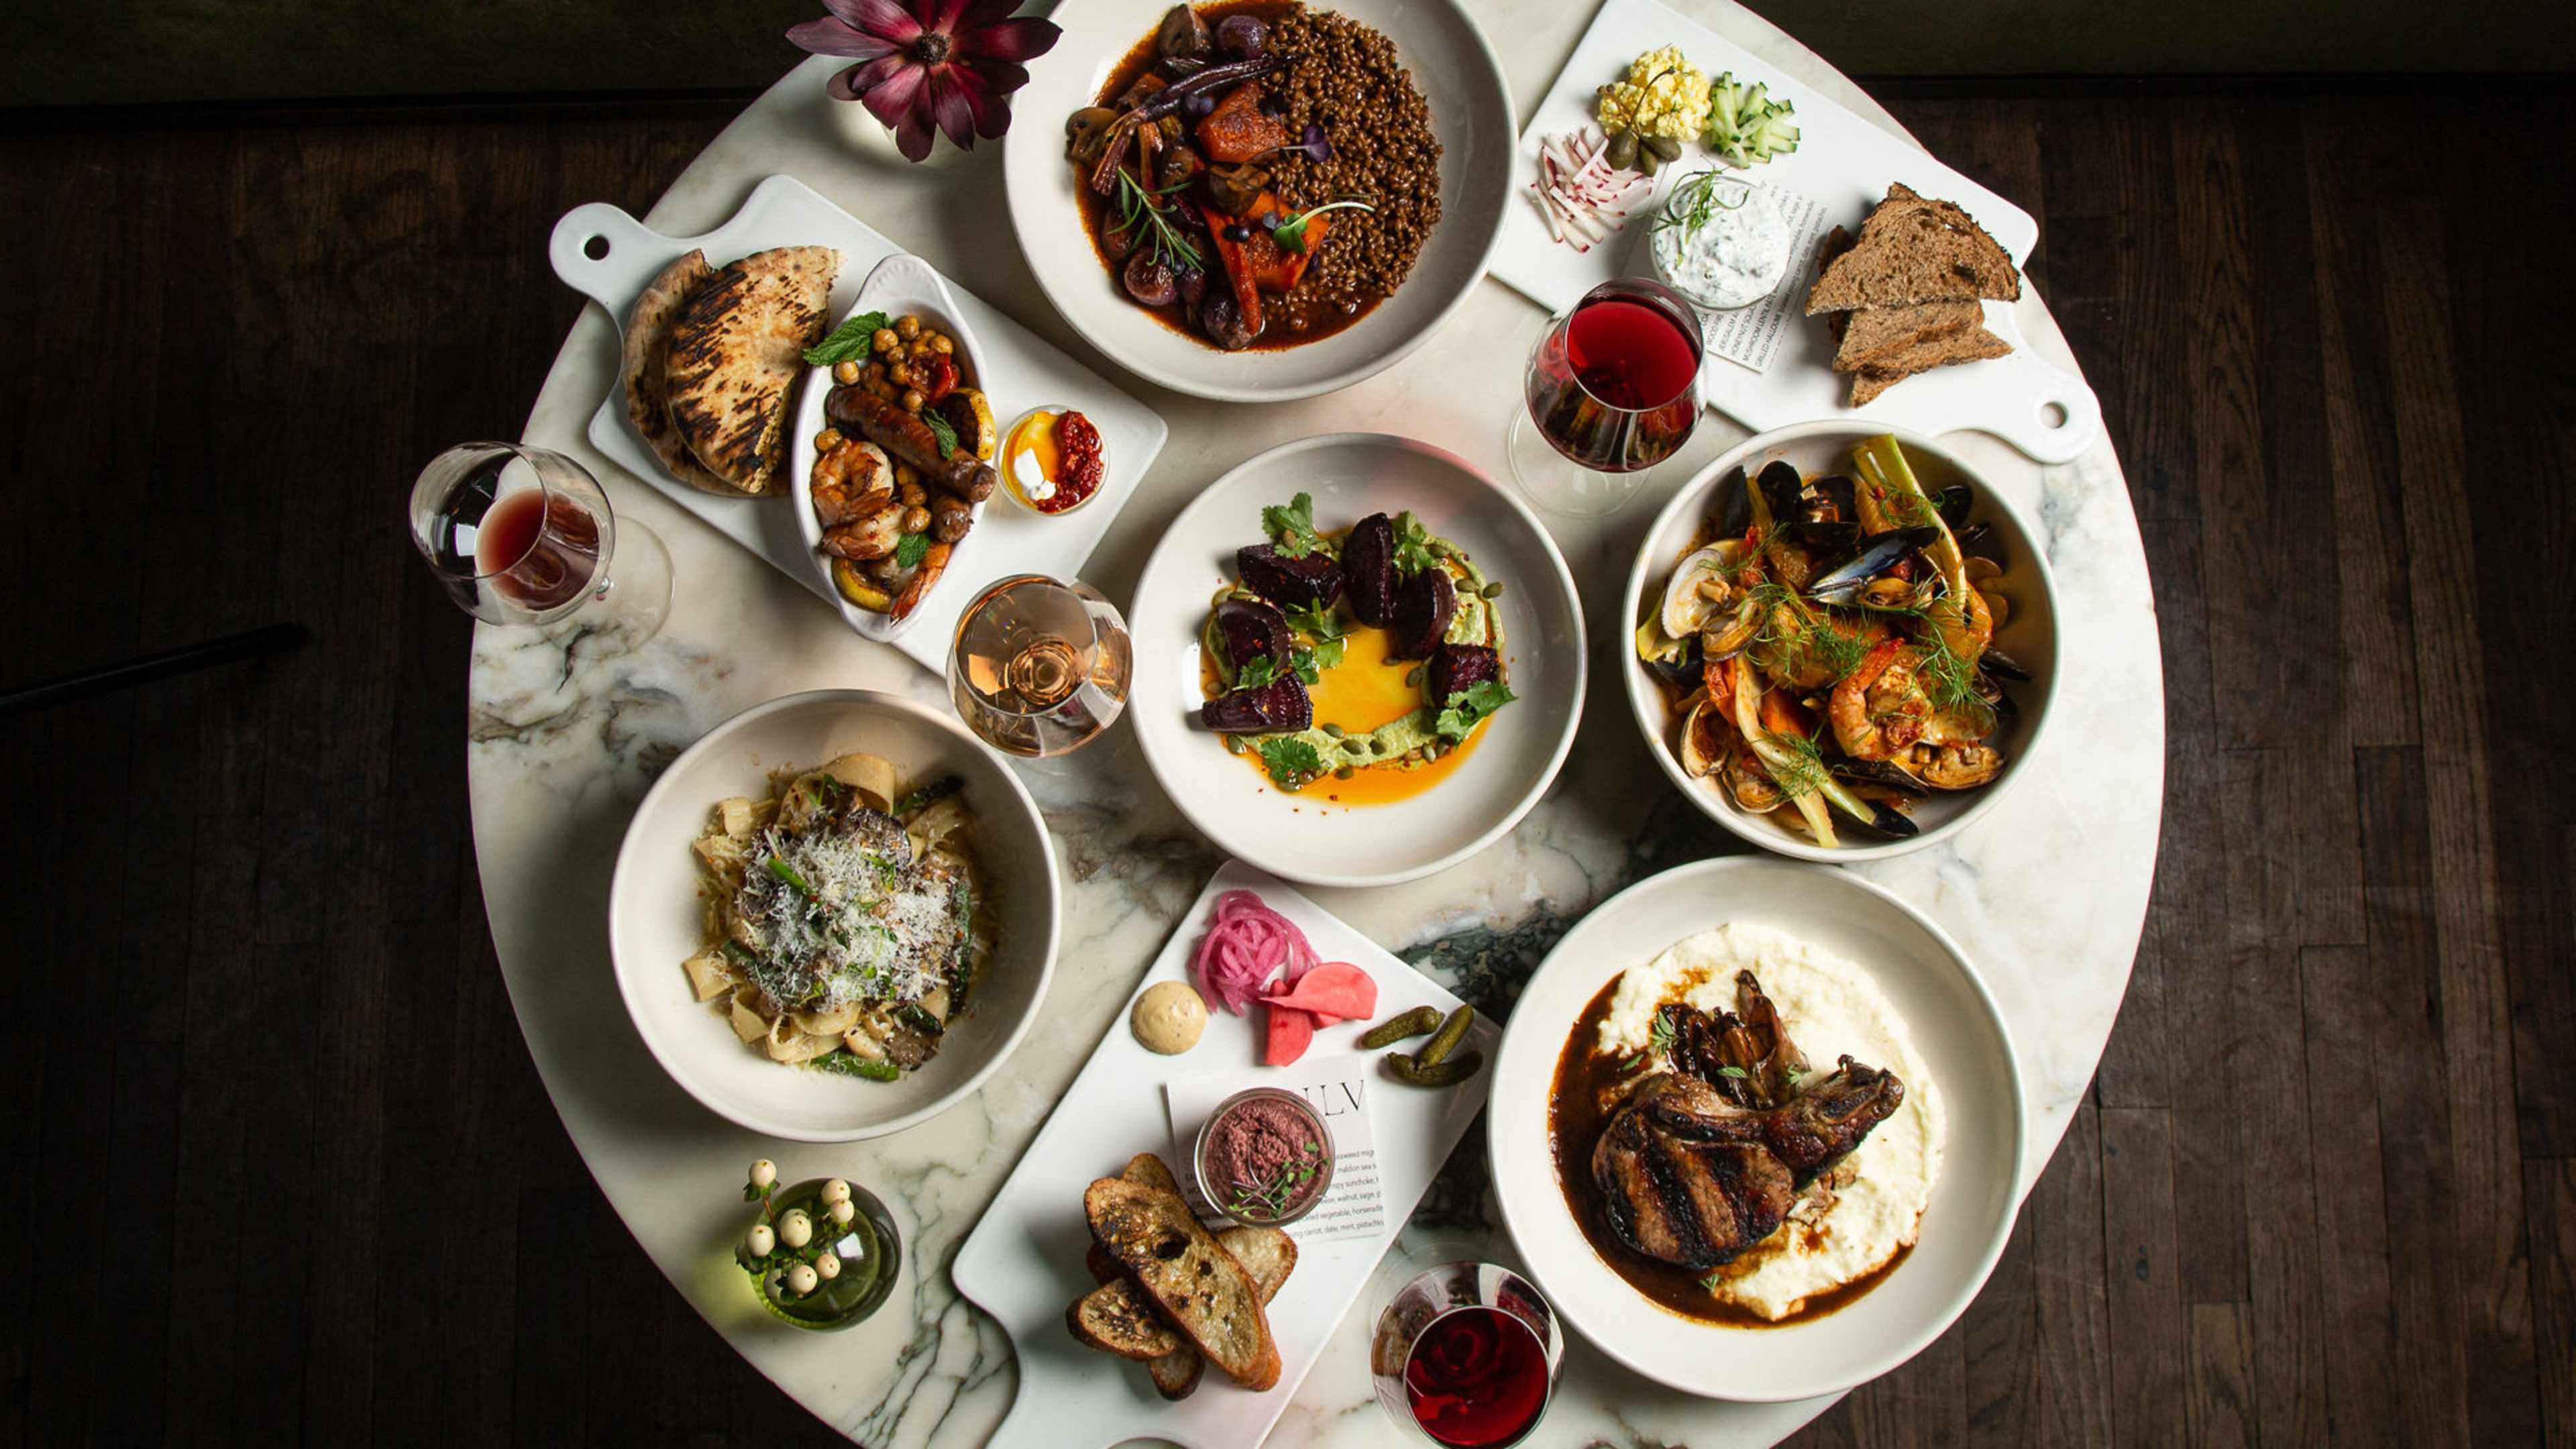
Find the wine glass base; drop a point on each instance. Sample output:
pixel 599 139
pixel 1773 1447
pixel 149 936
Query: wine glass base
pixel 1556 484
pixel 630 611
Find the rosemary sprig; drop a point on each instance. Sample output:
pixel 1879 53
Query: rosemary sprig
pixel 1139 206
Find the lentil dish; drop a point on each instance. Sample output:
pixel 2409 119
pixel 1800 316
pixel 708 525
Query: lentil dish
pixel 1258 174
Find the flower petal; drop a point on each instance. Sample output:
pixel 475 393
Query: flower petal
pixel 991 113
pixel 1022 39
pixel 1001 78
pixel 948 104
pixel 888 20
pixel 940 16
pixel 986 12
pixel 887 85
pixel 912 138
pixel 827 36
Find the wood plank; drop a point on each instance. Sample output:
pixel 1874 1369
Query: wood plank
pixel 2066 1214
pixel 2149 1341
pixel 2552 1208
pixel 2002 1348
pixel 2220 1406
pixel 2349 1035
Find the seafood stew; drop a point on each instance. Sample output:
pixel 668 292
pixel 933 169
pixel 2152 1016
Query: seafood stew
pixel 1257 174
pixel 1825 646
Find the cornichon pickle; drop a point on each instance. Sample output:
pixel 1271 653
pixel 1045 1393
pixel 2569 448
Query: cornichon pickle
pixel 1446 1039
pixel 1439 1074
pixel 1397 1028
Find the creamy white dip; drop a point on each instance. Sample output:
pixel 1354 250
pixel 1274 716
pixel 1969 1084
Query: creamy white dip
pixel 1830 1007
pixel 1736 253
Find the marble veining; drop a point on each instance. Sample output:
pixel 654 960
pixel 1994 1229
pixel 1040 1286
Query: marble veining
pixel 2046 895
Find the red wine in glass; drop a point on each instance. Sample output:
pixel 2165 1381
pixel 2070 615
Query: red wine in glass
pixel 519 534
pixel 1477 1377
pixel 539 550
pixel 1615 386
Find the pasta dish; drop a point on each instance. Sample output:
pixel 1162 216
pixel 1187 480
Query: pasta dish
pixel 840 918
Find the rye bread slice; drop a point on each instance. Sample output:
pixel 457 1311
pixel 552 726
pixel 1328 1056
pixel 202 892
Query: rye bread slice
pixel 1915 249
pixel 1974 345
pixel 1874 337
pixel 1188 1274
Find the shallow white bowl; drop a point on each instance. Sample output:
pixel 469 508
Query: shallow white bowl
pixel 654 915
pixel 2030 637
pixel 1471 113
pixel 1963 1044
pixel 901 285
pixel 1302 837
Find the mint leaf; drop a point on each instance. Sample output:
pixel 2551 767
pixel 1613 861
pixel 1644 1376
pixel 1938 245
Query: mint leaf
pixel 1291 527
pixel 1412 545
pixel 850 341
pixel 1291 761
pixel 1470 707
pixel 909 549
pixel 939 429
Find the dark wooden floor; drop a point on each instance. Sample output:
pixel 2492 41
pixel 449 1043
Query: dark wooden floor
pixel 274 1167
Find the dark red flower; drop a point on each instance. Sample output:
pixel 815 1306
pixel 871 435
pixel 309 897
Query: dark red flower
pixel 949 63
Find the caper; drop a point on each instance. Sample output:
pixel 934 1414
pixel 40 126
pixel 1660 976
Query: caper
pixel 1649 163
pixel 1396 1028
pixel 1667 147
pixel 1493 590
pixel 1623 150
pixel 1446 1039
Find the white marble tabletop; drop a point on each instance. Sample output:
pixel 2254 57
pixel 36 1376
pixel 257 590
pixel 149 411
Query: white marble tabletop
pixel 2047 895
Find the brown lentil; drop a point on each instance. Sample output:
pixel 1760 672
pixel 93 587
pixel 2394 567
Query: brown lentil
pixel 1349 79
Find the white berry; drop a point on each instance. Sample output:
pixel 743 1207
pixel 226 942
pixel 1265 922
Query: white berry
pixel 843 1211
pixel 801 1279
pixel 836 1191
pixel 795 1229
pixel 828 1264
pixel 760 1240
pixel 763 1173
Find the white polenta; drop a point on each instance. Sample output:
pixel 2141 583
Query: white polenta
pixel 1830 1008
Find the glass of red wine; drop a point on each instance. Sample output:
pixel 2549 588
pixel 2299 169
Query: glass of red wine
pixel 523 535
pixel 1612 390
pixel 1467 1354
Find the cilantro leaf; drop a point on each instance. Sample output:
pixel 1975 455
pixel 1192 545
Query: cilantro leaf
pixel 1470 707
pixel 1330 651
pixel 1319 620
pixel 909 549
pixel 1302 663
pixel 849 342
pixel 1412 545
pixel 1291 527
pixel 939 430
pixel 1257 671
pixel 1290 760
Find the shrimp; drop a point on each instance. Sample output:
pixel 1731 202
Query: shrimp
pixel 934 560
pixel 1880 708
pixel 847 480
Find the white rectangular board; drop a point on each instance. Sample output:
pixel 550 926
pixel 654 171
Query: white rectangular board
pixel 1025 371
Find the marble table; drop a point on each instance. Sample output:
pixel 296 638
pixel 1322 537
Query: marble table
pixel 2047 895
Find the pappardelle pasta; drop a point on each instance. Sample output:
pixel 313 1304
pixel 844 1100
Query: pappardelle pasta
pixel 840 917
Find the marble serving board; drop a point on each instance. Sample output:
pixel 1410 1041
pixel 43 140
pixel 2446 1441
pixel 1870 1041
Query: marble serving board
pixel 1023 371
pixel 1024 1262
pixel 1843 163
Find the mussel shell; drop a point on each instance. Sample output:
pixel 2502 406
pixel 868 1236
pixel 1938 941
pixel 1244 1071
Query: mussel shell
pixel 1829 534
pixel 1997 662
pixel 1878 772
pixel 1889 821
pixel 1781 486
pixel 1978 540
pixel 1952 502
pixel 1835 491
pixel 1733 505
pixel 1873 556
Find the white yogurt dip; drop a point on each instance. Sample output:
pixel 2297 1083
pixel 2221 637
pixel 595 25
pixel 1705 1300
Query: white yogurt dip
pixel 1722 242
pixel 1829 1007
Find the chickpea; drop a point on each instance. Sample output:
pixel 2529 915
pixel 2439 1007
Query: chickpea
pixel 907 327
pixel 920 347
pixel 826 440
pixel 916 520
pixel 942 345
pixel 845 372
pixel 885 340
pixel 912 399
pixel 876 372
pixel 913 495
pixel 905 477
pixel 898 374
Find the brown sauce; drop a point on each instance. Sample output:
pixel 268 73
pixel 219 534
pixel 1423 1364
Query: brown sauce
pixel 1574 1121
pixel 1307 313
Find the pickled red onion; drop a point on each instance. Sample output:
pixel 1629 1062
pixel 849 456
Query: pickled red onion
pixel 1246 944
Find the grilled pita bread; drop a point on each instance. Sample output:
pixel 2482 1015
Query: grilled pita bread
pixel 737 347
pixel 648 343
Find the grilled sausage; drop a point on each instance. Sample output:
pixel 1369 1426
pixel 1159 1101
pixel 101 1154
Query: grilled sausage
pixel 910 440
pixel 950 517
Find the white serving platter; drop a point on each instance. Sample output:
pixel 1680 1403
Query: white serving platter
pixel 1023 1263
pixel 1023 371
pixel 1844 163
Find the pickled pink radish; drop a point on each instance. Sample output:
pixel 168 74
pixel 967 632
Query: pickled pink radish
pixel 1246 944
pixel 1289 1033
pixel 1334 991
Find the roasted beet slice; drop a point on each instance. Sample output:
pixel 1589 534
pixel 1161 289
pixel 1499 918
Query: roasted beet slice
pixel 1266 709
pixel 1368 569
pixel 1423 609
pixel 1456 668
pixel 1250 629
pixel 1291 583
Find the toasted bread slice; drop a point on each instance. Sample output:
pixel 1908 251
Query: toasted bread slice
pixel 1270 1256
pixel 1118 1318
pixel 1147 1169
pixel 1102 1267
pixel 1192 1278
pixel 1874 337
pixel 1915 249
pixel 1974 345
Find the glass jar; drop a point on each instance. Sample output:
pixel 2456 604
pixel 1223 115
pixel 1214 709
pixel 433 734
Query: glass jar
pixel 1274 1193
pixel 867 1249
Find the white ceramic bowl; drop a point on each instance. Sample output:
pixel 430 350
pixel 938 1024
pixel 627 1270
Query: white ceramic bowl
pixel 1352 475
pixel 1964 1047
pixel 2030 636
pixel 1471 113
pixel 654 920
pixel 901 285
